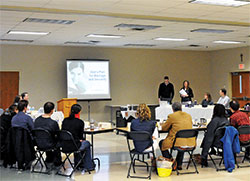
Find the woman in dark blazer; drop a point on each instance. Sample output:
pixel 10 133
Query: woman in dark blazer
pixel 207 100
pixel 218 120
pixel 188 97
pixel 143 123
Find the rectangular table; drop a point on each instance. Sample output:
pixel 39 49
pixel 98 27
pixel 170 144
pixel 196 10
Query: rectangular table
pixel 196 112
pixel 92 133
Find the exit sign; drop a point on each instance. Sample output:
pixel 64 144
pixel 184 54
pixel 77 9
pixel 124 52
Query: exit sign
pixel 241 66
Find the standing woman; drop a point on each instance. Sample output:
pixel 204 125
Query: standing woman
pixel 187 97
pixel 76 127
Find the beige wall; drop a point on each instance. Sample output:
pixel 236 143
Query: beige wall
pixel 223 62
pixel 135 73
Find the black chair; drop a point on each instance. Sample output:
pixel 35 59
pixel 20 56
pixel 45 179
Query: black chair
pixel 20 148
pixel 187 133
pixel 139 136
pixel 68 146
pixel 44 143
pixel 243 146
pixel 218 146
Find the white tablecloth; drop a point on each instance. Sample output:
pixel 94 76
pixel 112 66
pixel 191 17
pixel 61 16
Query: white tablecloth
pixel 196 112
pixel 58 116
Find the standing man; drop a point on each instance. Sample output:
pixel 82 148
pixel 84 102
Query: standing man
pixel 224 99
pixel 166 90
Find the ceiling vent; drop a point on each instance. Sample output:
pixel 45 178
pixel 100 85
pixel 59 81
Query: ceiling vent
pixel 193 45
pixel 139 45
pixel 50 21
pixel 204 30
pixel 82 43
pixel 136 27
pixel 17 40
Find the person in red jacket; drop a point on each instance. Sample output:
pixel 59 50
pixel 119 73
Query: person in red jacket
pixel 237 119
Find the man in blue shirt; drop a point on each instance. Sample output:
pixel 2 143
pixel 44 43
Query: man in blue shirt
pixel 21 119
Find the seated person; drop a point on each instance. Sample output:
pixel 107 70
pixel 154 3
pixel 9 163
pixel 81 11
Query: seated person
pixel 237 119
pixel 6 117
pixel 21 119
pixel 176 121
pixel 218 120
pixel 143 123
pixel 5 123
pixel 17 99
pixel 45 122
pixel 207 100
pixel 224 99
pixel 76 127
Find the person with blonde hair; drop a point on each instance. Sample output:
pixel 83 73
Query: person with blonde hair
pixel 143 123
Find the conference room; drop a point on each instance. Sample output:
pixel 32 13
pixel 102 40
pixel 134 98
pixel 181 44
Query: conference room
pixel 111 57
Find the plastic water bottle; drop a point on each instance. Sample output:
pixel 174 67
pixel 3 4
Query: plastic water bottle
pixel 92 124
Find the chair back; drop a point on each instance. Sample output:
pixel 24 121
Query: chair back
pixel 219 133
pixel 43 139
pixel 245 129
pixel 67 142
pixel 186 133
pixel 139 136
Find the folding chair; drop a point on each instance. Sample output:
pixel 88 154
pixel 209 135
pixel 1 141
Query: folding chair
pixel 68 146
pixel 44 143
pixel 139 136
pixel 218 145
pixel 243 146
pixel 187 133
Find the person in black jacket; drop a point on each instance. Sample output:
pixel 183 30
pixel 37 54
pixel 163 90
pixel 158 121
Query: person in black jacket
pixel 5 123
pixel 76 127
pixel 186 98
pixel 45 122
pixel 166 90
pixel 218 120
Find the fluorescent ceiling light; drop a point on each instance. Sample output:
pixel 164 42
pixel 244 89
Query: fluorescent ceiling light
pixel 27 33
pixel 205 30
pixel 222 2
pixel 228 42
pixel 171 39
pixel 103 36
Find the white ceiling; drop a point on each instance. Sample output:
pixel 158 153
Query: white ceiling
pixel 176 18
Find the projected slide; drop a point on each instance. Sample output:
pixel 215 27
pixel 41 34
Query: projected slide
pixel 88 79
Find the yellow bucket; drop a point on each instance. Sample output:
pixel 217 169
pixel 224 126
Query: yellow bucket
pixel 164 172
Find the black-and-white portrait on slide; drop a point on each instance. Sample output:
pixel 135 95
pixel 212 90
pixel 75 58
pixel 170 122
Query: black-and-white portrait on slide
pixel 77 79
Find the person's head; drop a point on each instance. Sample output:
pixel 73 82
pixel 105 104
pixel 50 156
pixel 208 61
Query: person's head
pixel 166 79
pixel 234 105
pixel 185 83
pixel 22 105
pixel 75 109
pixel 207 96
pixel 223 92
pixel 13 109
pixel 219 111
pixel 17 99
pixel 143 112
pixel 76 70
pixel 25 96
pixel 49 107
pixel 176 106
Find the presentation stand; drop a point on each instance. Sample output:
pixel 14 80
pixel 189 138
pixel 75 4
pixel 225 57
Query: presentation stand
pixel 65 104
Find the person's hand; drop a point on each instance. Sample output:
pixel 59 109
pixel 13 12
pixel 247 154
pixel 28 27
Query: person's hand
pixel 159 99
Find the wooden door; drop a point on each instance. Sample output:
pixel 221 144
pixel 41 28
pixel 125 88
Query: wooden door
pixel 9 88
pixel 241 87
